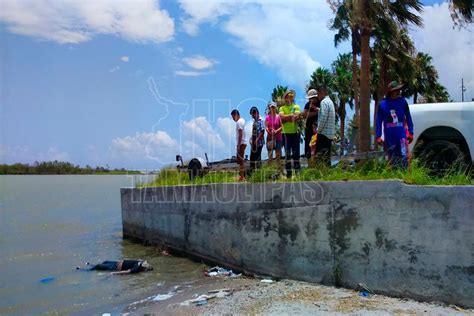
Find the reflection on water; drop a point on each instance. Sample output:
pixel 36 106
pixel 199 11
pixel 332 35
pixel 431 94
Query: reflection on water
pixel 51 224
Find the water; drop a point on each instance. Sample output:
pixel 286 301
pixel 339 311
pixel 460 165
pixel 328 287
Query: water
pixel 51 224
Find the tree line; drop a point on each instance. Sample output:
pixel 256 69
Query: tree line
pixel 57 167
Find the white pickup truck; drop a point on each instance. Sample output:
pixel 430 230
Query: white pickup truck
pixel 443 133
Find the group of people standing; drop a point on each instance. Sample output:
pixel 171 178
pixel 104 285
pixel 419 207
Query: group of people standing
pixel 281 125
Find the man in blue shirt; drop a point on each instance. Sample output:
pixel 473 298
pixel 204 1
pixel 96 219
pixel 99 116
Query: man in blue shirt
pixel 393 112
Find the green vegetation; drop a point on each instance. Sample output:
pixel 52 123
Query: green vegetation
pixel 369 170
pixel 171 176
pixel 58 167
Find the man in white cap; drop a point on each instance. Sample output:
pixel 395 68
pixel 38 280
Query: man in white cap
pixel 310 114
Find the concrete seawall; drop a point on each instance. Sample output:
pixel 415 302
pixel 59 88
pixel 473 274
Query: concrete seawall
pixel 400 240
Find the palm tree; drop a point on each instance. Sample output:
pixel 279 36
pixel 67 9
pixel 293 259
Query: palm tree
pixel 321 76
pixel 346 28
pixel 365 15
pixel 461 11
pixel 278 93
pixel 440 94
pixel 342 78
pixel 426 76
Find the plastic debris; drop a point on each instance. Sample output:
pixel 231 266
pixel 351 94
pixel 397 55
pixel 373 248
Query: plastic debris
pixel 364 294
pixel 218 271
pixel 266 281
pixel 200 303
pixel 162 297
pixel 47 280
pixel 364 287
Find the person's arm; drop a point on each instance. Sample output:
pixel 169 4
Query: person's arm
pixel 260 135
pixel 266 127
pixel 378 125
pixel 408 118
pixel 122 272
pixel 378 122
pixel 240 141
pixel 286 118
pixel 311 114
pixel 323 117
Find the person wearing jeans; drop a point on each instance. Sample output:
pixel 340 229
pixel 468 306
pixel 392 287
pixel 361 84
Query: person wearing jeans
pixel 257 139
pixel 290 114
pixel 240 137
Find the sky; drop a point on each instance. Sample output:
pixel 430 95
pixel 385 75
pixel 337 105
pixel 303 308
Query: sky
pixel 133 83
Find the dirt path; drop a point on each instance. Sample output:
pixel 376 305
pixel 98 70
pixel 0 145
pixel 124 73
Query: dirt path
pixel 247 296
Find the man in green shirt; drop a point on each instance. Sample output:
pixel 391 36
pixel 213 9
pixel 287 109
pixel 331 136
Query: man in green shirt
pixel 290 114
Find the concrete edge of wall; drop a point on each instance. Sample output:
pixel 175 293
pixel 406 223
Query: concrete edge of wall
pixel 401 240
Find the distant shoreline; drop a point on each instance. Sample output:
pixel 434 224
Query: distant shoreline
pixel 60 168
pixel 71 174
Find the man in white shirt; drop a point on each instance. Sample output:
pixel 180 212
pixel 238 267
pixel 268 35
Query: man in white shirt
pixel 240 135
pixel 326 126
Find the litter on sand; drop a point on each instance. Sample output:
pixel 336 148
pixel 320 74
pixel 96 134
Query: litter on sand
pixel 266 281
pixel 162 297
pixel 204 298
pixel 218 271
pixel 364 294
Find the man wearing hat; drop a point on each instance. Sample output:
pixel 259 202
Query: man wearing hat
pixel 257 138
pixel 290 114
pixel 310 113
pixel 392 113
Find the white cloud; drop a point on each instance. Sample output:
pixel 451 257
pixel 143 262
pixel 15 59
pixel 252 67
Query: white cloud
pixel 226 127
pixel 199 62
pixel 202 11
pixel 290 37
pixel 145 146
pixel 125 59
pixel 194 138
pixel 24 154
pixel 200 131
pixel 452 49
pixel 72 21
pixel 187 73
pixel 114 69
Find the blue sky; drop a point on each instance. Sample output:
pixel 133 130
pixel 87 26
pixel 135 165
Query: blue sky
pixel 75 78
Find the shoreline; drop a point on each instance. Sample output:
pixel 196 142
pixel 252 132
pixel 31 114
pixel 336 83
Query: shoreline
pixel 250 296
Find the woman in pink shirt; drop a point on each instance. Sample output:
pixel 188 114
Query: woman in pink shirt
pixel 274 137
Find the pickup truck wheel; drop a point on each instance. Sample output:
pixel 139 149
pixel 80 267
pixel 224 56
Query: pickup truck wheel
pixel 441 155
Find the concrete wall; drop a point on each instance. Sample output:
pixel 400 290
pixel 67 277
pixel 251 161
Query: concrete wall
pixel 400 240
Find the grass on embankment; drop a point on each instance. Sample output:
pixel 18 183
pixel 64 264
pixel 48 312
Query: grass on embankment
pixel 370 170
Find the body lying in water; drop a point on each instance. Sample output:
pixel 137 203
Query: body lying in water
pixel 121 267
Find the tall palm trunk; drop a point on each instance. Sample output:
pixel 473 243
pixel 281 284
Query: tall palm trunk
pixel 364 127
pixel 355 73
pixel 381 86
pixel 342 116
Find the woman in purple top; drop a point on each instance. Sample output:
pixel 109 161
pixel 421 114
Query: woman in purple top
pixel 274 137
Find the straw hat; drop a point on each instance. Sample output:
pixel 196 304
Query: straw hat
pixel 312 93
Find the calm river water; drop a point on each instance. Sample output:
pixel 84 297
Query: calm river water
pixel 51 224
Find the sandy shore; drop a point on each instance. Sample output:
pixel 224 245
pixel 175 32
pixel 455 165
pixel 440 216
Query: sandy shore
pixel 248 296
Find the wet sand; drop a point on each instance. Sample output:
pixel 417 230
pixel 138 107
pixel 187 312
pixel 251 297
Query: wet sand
pixel 249 296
